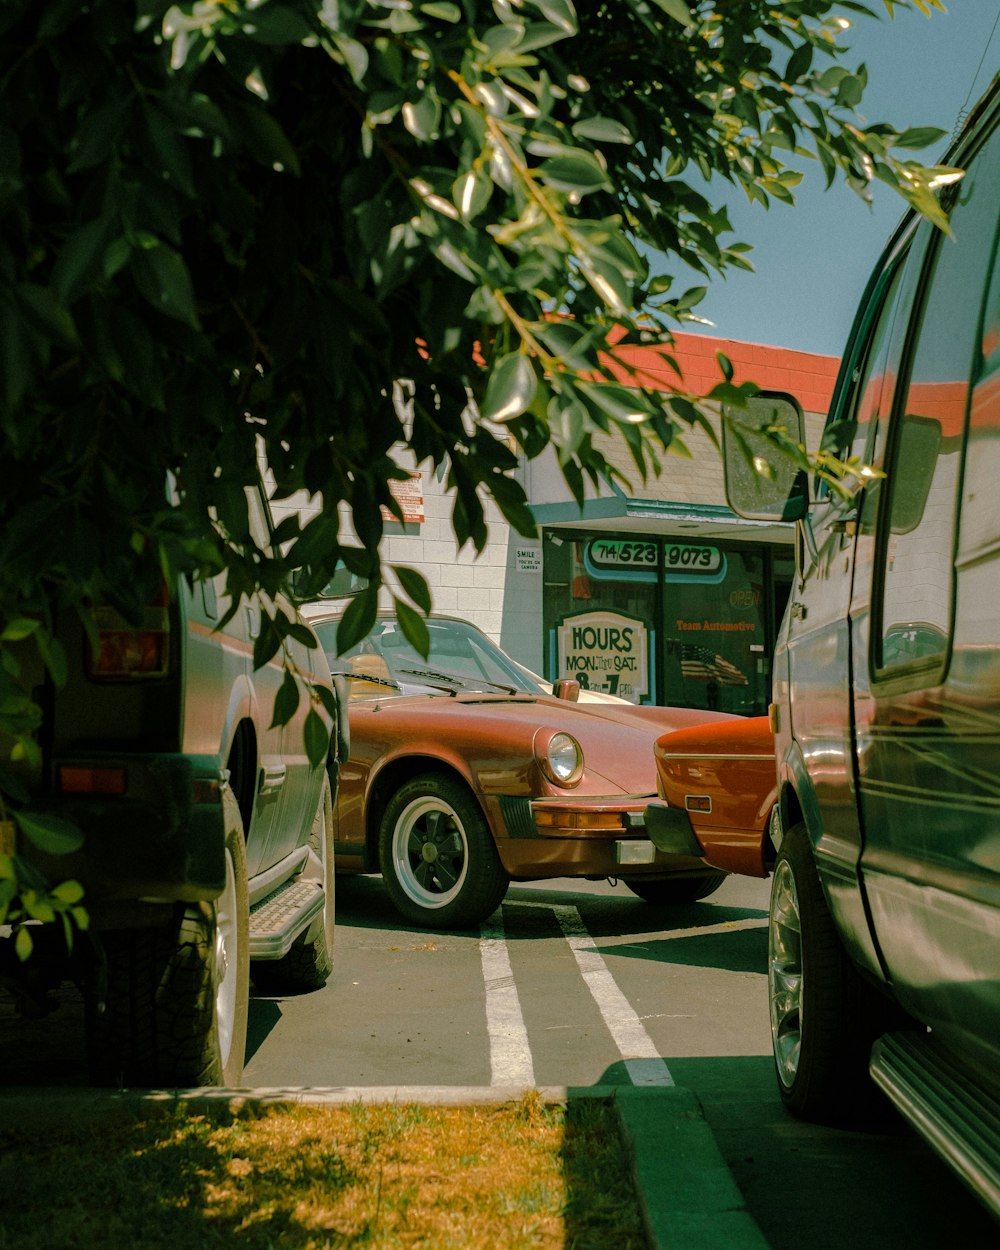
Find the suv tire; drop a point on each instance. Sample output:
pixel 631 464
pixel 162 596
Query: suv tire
pixel 825 1017
pixel 169 1006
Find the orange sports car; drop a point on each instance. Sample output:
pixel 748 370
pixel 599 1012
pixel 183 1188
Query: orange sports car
pixel 718 787
pixel 464 772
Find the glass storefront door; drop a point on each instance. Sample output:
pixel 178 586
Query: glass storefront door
pixel 715 647
pixel 660 620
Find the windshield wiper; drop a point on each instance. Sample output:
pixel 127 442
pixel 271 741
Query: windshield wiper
pixel 352 676
pixel 456 682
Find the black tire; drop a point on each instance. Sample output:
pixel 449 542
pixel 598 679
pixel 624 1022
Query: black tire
pixel 308 965
pixel 169 1006
pixel 438 857
pixel 673 890
pixel 825 1017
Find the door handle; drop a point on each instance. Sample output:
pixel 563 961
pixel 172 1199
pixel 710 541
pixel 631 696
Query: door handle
pixel 799 611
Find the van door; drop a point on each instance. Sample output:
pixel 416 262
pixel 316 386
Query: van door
pixel 812 670
pixel 926 688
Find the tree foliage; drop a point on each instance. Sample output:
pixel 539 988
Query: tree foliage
pixel 235 219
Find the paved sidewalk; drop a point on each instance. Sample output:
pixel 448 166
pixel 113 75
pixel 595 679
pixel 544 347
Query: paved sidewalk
pixel 687 1196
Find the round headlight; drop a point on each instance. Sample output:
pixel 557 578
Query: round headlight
pixel 565 757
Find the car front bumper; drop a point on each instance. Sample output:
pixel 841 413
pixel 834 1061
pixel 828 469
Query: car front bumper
pixel 585 838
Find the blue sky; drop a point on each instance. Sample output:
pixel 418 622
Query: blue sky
pixel 812 259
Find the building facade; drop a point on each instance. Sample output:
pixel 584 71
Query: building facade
pixel 660 594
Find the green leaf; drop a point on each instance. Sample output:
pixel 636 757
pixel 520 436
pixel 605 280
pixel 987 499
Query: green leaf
pixel 676 9
pixel 414 626
pixel 625 404
pixel 47 314
pixel 415 585
pixel 286 701
pixel 51 834
pixel 471 192
pixel 442 11
pixel 353 54
pixel 163 278
pixel 560 13
pixel 423 116
pixel 799 63
pixel 358 619
pixel 317 738
pixel 276 24
pixel 602 130
pixel 53 655
pixel 326 697
pixel 579 174
pixel 19 629
pixel 919 137
pixel 267 139
pixel 68 892
pixel 511 388
pixel 79 260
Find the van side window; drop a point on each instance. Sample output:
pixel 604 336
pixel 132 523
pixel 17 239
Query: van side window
pixel 925 441
pixel 852 437
pixel 980 535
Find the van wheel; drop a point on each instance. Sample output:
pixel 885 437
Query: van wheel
pixel 169 1007
pixel 438 857
pixel 824 1017
pixel 668 890
pixel 308 965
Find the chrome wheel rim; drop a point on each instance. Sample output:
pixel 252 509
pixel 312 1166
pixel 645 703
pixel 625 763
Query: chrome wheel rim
pixel 784 974
pixel 226 961
pixel 430 853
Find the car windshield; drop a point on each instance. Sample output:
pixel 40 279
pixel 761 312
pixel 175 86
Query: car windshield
pixel 460 658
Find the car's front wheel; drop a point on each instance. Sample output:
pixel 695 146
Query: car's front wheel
pixel 673 890
pixel 824 1016
pixel 438 857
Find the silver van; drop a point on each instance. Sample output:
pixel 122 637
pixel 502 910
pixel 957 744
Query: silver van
pixel 884 963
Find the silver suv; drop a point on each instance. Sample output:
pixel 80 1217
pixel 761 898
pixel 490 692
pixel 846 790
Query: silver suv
pixel 208 835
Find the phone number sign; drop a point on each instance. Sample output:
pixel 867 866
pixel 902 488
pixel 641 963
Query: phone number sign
pixel 637 559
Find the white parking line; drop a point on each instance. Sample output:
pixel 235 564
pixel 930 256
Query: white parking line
pixel 510 1053
pixel 639 1054
pixel 636 1047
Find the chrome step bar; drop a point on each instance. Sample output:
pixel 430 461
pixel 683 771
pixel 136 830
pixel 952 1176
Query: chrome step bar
pixel 955 1115
pixel 279 917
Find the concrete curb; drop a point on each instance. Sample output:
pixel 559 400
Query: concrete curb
pixel 687 1197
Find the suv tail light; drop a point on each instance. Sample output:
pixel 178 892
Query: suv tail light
pixel 127 651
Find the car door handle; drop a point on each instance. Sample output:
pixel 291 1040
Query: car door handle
pixel 271 778
pixel 799 611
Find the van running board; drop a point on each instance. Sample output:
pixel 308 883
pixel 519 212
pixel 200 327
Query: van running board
pixel 958 1118
pixel 279 917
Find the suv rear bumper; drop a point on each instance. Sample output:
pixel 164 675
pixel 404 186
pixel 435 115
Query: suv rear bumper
pixel 156 832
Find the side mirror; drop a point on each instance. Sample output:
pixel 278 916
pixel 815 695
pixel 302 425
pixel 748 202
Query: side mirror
pixel 566 688
pixel 761 483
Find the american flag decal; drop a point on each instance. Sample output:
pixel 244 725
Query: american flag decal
pixel 701 664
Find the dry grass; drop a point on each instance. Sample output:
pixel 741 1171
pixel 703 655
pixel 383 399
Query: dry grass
pixel 288 1177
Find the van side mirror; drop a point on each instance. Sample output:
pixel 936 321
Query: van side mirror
pixel 761 483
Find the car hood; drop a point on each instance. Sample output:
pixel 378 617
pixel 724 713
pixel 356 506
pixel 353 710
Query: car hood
pixel 617 739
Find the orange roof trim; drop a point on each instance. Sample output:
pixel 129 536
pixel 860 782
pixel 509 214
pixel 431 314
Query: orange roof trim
pixel 806 375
